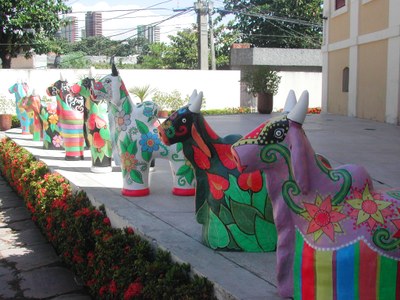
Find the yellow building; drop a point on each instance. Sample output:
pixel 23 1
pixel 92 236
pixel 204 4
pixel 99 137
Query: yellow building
pixel 361 59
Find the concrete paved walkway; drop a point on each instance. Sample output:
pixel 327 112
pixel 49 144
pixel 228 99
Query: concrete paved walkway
pixel 169 221
pixel 29 266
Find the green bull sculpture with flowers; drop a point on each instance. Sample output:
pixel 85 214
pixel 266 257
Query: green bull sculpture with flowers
pixel 233 208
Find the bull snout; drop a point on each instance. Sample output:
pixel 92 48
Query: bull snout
pixel 163 135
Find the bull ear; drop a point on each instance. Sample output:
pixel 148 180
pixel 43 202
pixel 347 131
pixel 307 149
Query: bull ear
pixel 200 142
pixel 291 102
pixel 115 88
pixel 299 112
pixel 195 102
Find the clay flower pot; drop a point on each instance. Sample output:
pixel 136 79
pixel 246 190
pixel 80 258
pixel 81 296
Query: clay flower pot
pixel 5 122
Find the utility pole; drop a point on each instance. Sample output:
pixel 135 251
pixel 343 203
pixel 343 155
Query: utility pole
pixel 212 48
pixel 201 8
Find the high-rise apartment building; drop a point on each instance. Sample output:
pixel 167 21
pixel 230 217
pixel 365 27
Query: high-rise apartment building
pixel 151 33
pixel 93 24
pixel 70 31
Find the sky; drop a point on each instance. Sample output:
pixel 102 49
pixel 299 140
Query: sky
pixel 119 25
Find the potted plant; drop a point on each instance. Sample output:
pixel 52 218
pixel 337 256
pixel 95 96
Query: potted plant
pixel 142 92
pixel 7 108
pixel 168 102
pixel 262 82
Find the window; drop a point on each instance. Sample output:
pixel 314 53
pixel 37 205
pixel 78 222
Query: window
pixel 345 80
pixel 339 4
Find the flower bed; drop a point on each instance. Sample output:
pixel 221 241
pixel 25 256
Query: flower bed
pixel 113 263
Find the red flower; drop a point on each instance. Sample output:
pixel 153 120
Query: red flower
pixel 201 159
pixel 106 221
pixel 129 230
pixel 113 287
pixel 324 218
pixel 134 289
pixel 82 212
pixel 251 181
pixel 218 185
pixel 103 290
pixel 95 121
pixel 225 155
pixel 91 122
pixel 98 141
pixel 76 88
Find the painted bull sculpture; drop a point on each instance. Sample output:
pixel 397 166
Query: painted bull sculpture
pixel 233 208
pixel 31 105
pixel 96 124
pixel 71 118
pixel 52 139
pixel 135 135
pixel 338 237
pixel 21 90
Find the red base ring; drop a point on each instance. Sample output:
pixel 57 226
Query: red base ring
pixel 136 193
pixel 183 192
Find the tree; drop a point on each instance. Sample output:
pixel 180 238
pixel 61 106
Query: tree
pixel 182 52
pixel 28 25
pixel 153 56
pixel 277 23
pixel 224 37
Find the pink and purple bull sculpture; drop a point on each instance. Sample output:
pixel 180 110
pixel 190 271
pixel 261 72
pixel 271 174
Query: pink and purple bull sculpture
pixel 338 237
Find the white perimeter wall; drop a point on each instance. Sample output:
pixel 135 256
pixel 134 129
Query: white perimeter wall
pixel 221 88
pixel 299 81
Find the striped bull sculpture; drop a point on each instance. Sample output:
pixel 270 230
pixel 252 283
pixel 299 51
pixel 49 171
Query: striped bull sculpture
pixel 71 118
pixel 338 237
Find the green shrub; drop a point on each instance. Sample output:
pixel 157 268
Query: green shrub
pixel 113 263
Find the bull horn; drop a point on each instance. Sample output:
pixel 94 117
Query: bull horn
pixel 195 102
pixel 34 93
pixel 291 101
pixel 299 112
pixel 193 97
pixel 114 71
pixel 62 77
pixel 92 72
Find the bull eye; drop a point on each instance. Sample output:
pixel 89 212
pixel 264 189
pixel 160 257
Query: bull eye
pixel 279 133
pixel 184 120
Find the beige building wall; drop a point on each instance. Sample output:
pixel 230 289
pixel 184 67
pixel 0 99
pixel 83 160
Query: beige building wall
pixel 364 36
pixel 372 78
pixel 339 28
pixel 337 99
pixel 374 16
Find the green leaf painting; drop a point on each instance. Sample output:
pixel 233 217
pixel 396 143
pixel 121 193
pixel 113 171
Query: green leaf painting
pixel 143 128
pixel 218 236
